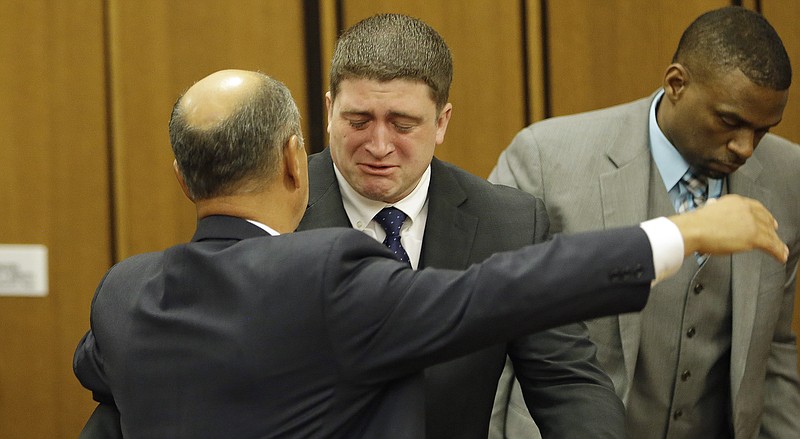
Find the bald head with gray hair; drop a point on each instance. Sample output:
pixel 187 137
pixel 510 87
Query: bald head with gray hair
pixel 228 132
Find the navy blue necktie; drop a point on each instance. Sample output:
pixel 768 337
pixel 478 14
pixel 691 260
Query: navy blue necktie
pixel 391 219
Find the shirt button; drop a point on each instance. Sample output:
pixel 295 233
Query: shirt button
pixel 690 333
pixel 685 375
pixel 678 413
pixel 698 288
pixel 359 224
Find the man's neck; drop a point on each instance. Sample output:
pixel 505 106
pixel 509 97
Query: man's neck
pixel 268 210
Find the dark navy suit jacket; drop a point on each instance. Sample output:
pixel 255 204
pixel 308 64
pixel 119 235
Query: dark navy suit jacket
pixel 322 333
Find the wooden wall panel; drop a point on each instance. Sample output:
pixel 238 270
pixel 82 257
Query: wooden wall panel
pixel 54 191
pixel 158 49
pixel 488 82
pixel 606 52
pixel 784 16
pixel 536 68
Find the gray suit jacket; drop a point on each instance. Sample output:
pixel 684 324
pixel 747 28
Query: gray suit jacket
pixel 592 171
pixel 321 334
pixel 468 220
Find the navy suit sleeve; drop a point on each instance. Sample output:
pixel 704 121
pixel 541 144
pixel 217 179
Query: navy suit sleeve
pixel 87 365
pixel 103 424
pixel 387 320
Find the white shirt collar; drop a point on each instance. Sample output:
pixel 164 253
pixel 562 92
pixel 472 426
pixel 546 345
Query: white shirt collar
pixel 669 161
pixel 361 210
pixel 671 164
pixel 264 227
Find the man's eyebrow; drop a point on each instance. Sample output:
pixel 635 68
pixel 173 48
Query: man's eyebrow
pixel 355 113
pixel 401 115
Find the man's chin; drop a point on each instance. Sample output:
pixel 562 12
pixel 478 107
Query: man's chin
pixel 376 194
pixel 719 170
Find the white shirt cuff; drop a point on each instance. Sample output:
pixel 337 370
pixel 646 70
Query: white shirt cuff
pixel 667 244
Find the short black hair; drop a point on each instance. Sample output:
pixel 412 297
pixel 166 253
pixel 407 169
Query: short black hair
pixel 731 38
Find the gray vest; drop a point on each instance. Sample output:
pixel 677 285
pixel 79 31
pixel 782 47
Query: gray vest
pixel 681 387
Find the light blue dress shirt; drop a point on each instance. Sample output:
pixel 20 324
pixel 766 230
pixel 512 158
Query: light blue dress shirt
pixel 670 163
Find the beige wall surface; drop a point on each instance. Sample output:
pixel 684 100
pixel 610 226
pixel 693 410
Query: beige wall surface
pixel 88 85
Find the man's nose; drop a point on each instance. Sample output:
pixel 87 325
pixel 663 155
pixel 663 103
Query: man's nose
pixel 380 142
pixel 743 143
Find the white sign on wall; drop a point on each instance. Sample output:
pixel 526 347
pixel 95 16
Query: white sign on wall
pixel 23 270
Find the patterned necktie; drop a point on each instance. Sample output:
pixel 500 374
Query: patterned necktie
pixel 695 196
pixel 391 219
pixel 696 192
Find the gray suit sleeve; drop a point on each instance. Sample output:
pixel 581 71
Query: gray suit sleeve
pixel 781 386
pixel 564 387
pixel 519 165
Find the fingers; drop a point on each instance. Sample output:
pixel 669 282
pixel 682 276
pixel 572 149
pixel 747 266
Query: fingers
pixel 730 225
pixel 767 239
pixel 774 246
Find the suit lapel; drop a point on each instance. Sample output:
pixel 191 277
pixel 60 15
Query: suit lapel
pixel 325 208
pixel 449 231
pixel 745 276
pixel 624 191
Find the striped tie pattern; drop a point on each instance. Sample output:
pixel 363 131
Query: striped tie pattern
pixel 696 196
pixel 696 192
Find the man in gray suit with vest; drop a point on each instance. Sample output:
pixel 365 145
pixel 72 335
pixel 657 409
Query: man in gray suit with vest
pixel 713 354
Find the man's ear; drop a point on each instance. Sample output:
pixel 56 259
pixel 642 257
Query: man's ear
pixel 442 121
pixel 329 108
pixel 294 161
pixel 676 79
pixel 181 181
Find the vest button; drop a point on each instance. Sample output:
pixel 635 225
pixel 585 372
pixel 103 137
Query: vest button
pixel 678 413
pixel 698 288
pixel 685 375
pixel 690 333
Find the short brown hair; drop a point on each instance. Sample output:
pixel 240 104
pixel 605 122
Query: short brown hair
pixel 393 46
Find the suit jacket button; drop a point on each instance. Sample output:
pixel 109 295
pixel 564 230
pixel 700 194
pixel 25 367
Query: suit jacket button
pixel 698 288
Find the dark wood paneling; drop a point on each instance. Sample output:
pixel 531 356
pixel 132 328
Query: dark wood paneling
pixel 54 191
pixel 785 17
pixel 606 52
pixel 158 49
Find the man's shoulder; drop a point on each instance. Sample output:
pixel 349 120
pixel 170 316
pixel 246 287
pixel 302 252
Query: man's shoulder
pixel 580 136
pixel 776 148
pixel 485 191
pixel 600 116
